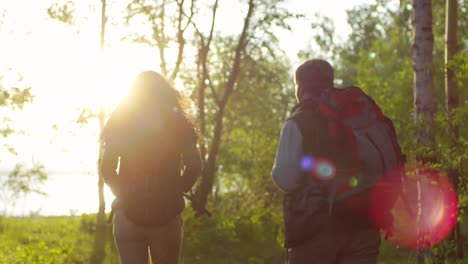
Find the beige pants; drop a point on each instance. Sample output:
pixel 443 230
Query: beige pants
pixel 133 241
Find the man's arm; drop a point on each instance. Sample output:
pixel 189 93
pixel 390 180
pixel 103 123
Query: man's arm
pixel 287 172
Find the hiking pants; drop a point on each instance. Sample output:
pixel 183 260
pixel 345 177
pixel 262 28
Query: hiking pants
pixel 359 246
pixel 133 241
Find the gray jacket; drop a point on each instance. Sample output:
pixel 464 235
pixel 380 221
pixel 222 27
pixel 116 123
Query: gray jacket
pixel 287 167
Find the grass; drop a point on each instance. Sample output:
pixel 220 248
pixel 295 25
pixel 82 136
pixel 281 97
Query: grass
pixel 75 239
pixel 54 240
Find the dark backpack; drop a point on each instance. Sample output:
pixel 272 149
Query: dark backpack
pixel 376 178
pixel 150 177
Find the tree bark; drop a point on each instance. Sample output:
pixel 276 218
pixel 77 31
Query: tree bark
pixel 423 79
pixel 203 78
pixel 180 35
pixel 451 89
pixel 423 69
pixel 452 102
pixel 201 99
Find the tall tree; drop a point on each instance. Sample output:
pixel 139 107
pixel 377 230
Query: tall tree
pixel 424 108
pixel 423 44
pixel 452 102
pixel 203 79
pixel 255 42
pixel 209 171
pixel 451 88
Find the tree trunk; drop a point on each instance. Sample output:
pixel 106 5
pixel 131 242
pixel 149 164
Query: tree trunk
pixel 451 89
pixel 203 76
pixel 452 102
pixel 206 186
pixel 423 78
pixel 161 39
pixel 180 34
pixel 201 100
pixel 423 75
pixel 101 117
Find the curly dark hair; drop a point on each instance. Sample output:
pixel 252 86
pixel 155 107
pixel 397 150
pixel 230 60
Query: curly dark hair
pixel 153 107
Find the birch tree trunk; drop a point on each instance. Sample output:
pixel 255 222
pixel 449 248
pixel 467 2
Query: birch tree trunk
pixel 423 96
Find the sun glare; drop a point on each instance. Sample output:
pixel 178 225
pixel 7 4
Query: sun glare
pixel 70 72
pixel 108 78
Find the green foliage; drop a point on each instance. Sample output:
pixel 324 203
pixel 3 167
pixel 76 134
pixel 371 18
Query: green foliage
pixel 12 97
pixel 459 64
pixel 21 181
pixel 48 240
pixel 235 233
pixel 391 254
pixel 63 12
pixel 253 121
pixel 15 97
pixel 238 232
pixel 12 94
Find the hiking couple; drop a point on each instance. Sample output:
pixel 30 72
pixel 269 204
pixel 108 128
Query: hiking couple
pixel 151 159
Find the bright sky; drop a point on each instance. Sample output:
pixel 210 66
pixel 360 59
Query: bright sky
pixel 63 65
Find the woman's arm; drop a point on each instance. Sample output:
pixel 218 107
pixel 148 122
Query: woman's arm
pixel 193 166
pixel 108 169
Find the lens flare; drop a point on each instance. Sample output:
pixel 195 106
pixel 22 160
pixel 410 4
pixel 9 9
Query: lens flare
pixel 353 182
pixel 307 163
pixel 423 210
pixel 324 169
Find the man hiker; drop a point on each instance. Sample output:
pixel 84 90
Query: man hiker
pixel 318 228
